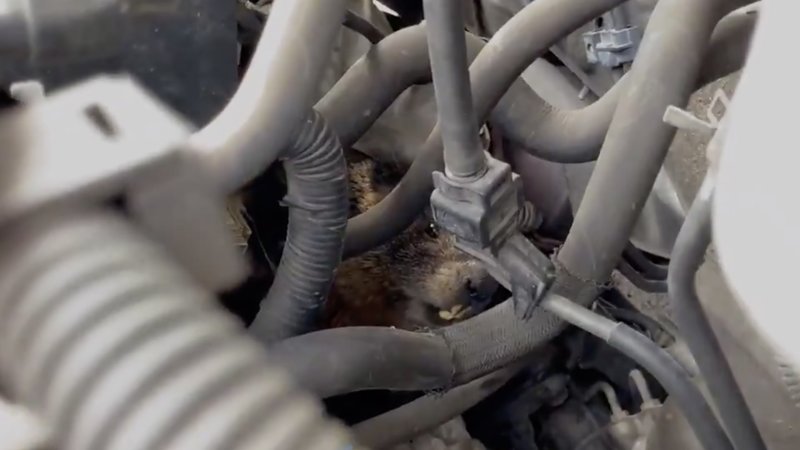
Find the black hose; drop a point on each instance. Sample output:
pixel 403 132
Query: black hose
pixel 363 27
pixel 533 30
pixel 427 412
pixel 672 376
pixel 687 257
pixel 114 347
pixel 343 360
pixel 463 152
pixel 276 94
pixel 318 209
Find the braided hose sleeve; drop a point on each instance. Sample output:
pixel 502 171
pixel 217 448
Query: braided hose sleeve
pixel 114 347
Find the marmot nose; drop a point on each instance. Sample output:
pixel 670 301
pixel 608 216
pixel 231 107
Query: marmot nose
pixel 481 289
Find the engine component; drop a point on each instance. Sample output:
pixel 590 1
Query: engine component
pixel 318 209
pixel 674 377
pixel 123 158
pixel 108 334
pixel 404 203
pixel 102 334
pixel 612 47
pixel 275 96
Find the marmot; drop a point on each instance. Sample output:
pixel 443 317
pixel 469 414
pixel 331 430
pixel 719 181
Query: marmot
pixel 417 280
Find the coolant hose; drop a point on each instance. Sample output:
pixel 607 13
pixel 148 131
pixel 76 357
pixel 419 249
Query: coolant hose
pixel 343 360
pixel 316 176
pixel 532 31
pixel 664 73
pixel 276 93
pixel 687 257
pixel 338 361
pixel 107 340
pixel 370 86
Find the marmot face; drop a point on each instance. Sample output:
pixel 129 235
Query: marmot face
pixel 417 280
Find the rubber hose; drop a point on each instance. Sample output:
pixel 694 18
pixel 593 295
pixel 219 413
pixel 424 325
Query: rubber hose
pixel 339 361
pixel 463 152
pixel 533 30
pixel 351 359
pixel 376 80
pixel 478 346
pixel 427 412
pixel 276 93
pixel 105 338
pixel 672 376
pixel 363 27
pixel 317 197
pixel 730 44
pixel 688 255
pixel 370 86
pixel 664 73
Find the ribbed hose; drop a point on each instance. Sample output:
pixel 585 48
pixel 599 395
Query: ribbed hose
pixel 318 208
pixel 113 345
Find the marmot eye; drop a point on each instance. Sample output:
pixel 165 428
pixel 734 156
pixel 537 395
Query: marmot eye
pixel 432 230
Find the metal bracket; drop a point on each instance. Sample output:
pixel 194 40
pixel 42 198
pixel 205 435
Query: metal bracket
pixel 484 214
pixel 106 141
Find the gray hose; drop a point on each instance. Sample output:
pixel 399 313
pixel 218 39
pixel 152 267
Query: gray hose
pixel 427 412
pixel 401 60
pixel 687 257
pixel 463 153
pixel 114 347
pixel 664 73
pixel 478 346
pixel 343 360
pixel 317 197
pixel 276 94
pixel 730 44
pixel 568 136
pixel 564 136
pixel 339 361
pixel 533 30
pixel 370 86
pixel 672 376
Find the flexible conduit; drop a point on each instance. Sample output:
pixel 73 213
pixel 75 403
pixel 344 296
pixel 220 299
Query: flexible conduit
pixel 114 347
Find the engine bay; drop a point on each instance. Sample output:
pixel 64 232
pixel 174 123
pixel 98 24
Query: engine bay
pixel 395 224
